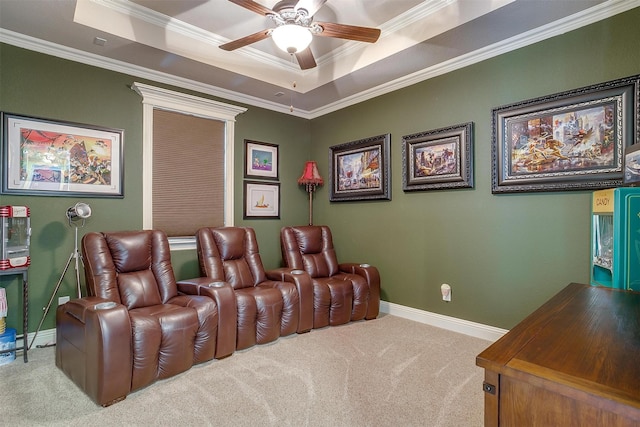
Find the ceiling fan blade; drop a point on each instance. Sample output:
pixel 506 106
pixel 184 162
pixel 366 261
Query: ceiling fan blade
pixel 253 6
pixel 244 41
pixel 311 6
pixel 349 32
pixel 306 59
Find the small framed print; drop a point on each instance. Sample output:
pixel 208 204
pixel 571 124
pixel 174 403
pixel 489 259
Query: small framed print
pixel 260 160
pixel 261 200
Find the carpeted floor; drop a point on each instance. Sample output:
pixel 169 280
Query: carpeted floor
pixel 386 372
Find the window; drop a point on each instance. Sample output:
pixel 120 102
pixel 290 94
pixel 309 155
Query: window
pixel 175 119
pixel 188 173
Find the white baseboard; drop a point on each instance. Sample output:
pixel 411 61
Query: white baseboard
pixel 454 324
pixel 47 337
pixel 466 327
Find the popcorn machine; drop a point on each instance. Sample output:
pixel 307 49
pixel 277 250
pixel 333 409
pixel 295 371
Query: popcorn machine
pixel 615 238
pixel 15 235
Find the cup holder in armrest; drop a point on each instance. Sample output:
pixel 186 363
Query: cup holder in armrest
pixel 365 265
pixel 216 284
pixel 105 305
pixel 297 271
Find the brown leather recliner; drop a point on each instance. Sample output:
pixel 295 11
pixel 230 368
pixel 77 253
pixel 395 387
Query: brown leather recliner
pixel 134 327
pixel 267 306
pixel 342 292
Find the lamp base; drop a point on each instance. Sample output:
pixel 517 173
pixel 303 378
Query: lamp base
pixel 310 190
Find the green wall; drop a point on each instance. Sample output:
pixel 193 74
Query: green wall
pixel 44 86
pixel 503 255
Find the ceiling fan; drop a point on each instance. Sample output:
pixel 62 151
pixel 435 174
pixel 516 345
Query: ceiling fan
pixel 295 28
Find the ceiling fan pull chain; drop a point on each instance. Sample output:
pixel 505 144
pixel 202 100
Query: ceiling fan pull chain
pixel 294 87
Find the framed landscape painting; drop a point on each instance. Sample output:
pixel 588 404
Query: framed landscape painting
pixel 360 170
pixel 438 159
pixel 573 140
pixel 44 157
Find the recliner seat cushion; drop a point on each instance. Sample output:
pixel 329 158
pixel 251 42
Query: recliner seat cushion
pixel 259 314
pixel 332 301
pixel 163 342
pixel 360 294
pixel 290 305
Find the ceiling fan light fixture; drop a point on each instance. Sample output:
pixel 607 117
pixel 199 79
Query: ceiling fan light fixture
pixel 292 38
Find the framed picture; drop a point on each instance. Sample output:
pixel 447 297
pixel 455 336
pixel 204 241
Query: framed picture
pixel 260 160
pixel 573 140
pixel 632 165
pixel 360 170
pixel 438 159
pixel 261 200
pixel 43 157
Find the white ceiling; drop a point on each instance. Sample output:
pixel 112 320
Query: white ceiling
pixel 176 42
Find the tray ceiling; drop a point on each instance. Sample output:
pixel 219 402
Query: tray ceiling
pixel 176 42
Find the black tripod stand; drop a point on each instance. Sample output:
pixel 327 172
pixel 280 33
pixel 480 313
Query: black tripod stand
pixel 79 211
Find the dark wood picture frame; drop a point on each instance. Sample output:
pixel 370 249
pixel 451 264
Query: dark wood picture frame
pixel 261 200
pixel 438 159
pixel 572 140
pixel 632 165
pixel 360 170
pixel 261 160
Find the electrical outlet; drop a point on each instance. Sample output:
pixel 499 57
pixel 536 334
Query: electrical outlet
pixel 446 292
pixel 63 300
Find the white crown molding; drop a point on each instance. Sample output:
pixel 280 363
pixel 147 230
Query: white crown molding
pixel 48 48
pixel 120 17
pixel 126 7
pixel 594 14
pixel 387 30
pixel 573 22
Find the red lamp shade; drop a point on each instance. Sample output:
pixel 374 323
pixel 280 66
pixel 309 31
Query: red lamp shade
pixel 310 175
pixel 311 179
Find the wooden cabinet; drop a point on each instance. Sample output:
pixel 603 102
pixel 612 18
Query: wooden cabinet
pixel 574 362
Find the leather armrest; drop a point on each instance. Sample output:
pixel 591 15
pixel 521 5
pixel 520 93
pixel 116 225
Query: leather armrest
pixel 303 283
pixel 193 286
pixel 367 271
pixel 78 307
pixel 93 347
pixel 224 296
pixel 372 276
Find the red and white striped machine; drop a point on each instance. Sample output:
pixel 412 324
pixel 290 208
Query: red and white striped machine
pixel 15 237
